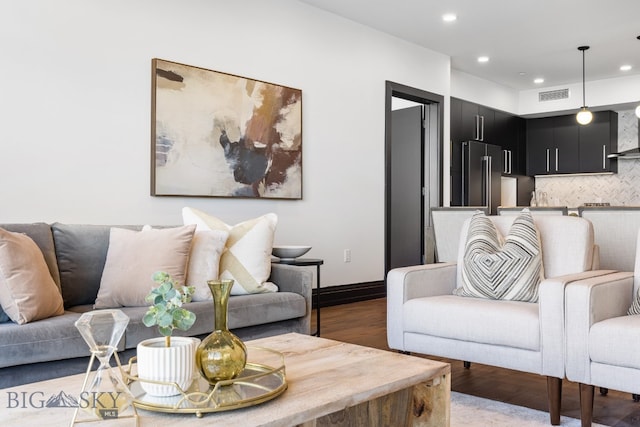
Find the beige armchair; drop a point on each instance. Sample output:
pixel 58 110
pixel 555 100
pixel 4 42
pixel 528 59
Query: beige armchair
pixel 447 223
pixel 603 342
pixel 614 229
pixel 423 316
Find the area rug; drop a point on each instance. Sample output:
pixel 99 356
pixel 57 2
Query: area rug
pixel 472 411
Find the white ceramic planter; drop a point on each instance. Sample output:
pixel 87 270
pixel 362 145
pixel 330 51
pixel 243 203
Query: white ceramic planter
pixel 167 364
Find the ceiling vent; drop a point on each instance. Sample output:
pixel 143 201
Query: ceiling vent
pixel 553 95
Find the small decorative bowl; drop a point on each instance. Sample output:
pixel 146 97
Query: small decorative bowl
pixel 289 252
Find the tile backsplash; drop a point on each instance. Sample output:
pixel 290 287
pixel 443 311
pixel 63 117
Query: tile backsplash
pixel 621 189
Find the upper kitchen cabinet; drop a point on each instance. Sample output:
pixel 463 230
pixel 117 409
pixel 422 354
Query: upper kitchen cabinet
pixel 564 155
pixel 475 122
pixel 470 121
pixel 559 145
pixel 552 146
pixel 509 133
pixel 456 151
pixel 539 144
pixel 597 140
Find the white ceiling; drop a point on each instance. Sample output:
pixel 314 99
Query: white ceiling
pixel 536 37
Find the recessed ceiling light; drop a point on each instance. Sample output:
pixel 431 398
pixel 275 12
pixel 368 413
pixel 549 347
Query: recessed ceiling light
pixel 449 17
pixel 625 67
pixel 483 59
pixel 538 80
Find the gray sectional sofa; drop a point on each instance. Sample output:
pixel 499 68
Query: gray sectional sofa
pixel 75 256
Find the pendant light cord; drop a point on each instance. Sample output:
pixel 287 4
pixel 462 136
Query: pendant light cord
pixel 584 102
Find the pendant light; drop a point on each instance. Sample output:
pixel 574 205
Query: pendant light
pixel 584 116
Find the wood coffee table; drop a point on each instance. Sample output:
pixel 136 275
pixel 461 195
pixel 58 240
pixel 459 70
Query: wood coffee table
pixel 330 383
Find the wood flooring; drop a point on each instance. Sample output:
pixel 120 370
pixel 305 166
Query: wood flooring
pixel 364 323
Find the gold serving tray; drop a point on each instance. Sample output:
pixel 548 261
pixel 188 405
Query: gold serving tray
pixel 258 383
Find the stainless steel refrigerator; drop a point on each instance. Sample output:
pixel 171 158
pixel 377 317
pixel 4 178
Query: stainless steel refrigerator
pixel 481 172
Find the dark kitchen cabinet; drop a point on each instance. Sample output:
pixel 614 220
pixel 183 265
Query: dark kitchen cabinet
pixel 469 125
pixel 539 142
pixel 597 140
pixel 552 146
pixel 473 122
pixel 508 133
pixel 566 140
pixel 559 145
pixel 519 166
pixel 456 136
pixel 486 128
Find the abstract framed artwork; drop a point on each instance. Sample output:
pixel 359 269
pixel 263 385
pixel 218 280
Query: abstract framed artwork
pixel 215 134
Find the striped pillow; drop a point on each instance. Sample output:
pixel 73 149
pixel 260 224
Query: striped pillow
pixel 506 269
pixel 634 309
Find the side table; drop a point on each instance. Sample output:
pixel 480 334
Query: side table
pixel 306 262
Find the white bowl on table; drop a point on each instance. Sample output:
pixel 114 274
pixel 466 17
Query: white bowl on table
pixel 289 252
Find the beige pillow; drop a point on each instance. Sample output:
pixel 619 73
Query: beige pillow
pixel 204 261
pixel 27 290
pixel 247 257
pixel 132 259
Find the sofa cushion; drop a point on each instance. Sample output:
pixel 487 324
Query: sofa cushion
pixel 616 341
pixel 247 258
pixel 27 290
pixel 41 233
pixel 81 251
pixel 485 321
pixel 243 311
pixel 55 338
pixel 204 261
pixel 497 268
pixel 132 259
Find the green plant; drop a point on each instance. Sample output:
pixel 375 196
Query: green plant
pixel 167 312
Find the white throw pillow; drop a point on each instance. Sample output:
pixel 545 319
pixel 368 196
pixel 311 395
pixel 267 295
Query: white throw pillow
pixel 247 256
pixel 497 268
pixel 132 259
pixel 204 261
pixel 27 290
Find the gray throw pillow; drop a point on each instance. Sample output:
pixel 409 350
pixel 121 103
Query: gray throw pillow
pixel 3 316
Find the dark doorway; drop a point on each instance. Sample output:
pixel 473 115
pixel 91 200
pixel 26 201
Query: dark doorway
pixel 413 162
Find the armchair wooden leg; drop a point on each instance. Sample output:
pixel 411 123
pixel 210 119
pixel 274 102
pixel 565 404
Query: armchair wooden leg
pixel 586 404
pixel 554 393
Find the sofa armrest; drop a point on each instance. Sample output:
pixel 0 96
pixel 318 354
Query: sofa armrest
pixel 595 263
pixel 589 301
pixel 551 305
pixel 417 281
pixel 290 278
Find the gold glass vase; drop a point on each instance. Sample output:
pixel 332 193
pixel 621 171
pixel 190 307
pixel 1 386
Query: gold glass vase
pixel 221 355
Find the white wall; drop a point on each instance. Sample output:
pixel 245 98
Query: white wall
pixel 617 93
pixel 607 92
pixel 75 101
pixel 474 89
